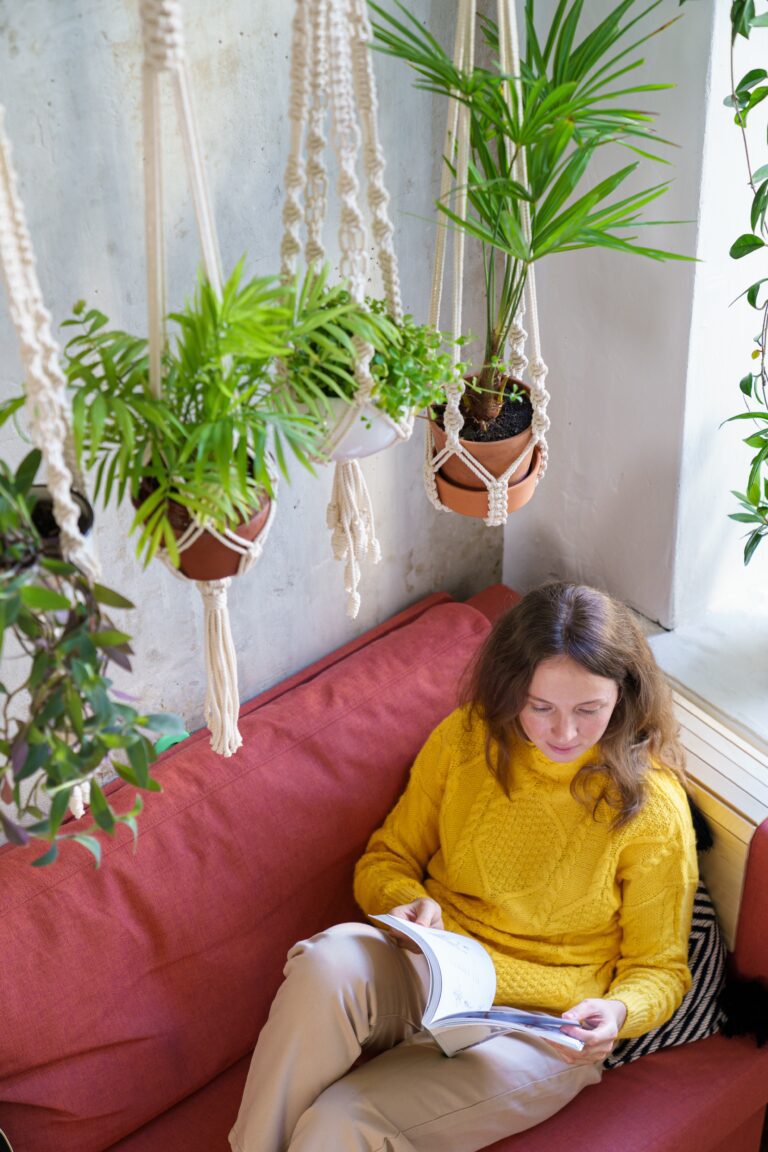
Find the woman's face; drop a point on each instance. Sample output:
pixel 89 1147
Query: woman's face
pixel 567 709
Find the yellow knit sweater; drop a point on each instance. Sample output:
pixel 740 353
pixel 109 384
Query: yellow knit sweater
pixel 568 907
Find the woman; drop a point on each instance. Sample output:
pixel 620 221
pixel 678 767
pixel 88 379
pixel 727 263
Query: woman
pixel 546 818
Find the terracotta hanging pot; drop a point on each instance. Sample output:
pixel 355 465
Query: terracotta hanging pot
pixel 461 490
pixel 207 558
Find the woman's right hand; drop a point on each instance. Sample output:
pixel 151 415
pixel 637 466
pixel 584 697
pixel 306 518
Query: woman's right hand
pixel 423 911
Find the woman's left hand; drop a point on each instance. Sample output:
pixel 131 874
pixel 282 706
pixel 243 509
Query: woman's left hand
pixel 597 1023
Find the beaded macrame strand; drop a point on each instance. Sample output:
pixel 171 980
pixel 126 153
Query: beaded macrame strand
pixel 45 388
pixel 457 144
pixel 164 52
pixel 331 68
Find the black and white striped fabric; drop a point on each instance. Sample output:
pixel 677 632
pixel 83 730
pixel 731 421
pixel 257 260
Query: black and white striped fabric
pixel 699 1015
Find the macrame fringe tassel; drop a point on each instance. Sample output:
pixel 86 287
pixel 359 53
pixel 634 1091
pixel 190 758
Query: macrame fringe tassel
pixel 350 518
pixel 222 701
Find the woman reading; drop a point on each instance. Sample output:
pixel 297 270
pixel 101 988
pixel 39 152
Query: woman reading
pixel 546 818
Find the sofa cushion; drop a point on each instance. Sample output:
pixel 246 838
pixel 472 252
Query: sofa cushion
pixel 683 1099
pixel 129 988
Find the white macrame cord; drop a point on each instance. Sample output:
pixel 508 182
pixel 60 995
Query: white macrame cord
pixel 331 70
pixel 457 144
pixel 164 52
pixel 45 386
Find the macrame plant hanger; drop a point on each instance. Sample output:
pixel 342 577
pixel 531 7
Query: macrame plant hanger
pixel 457 145
pixel 45 388
pixel 331 66
pixel 164 52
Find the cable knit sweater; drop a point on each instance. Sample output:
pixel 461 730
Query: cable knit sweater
pixel 567 906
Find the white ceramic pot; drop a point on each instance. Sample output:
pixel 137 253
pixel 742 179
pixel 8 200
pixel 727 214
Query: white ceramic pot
pixel 356 432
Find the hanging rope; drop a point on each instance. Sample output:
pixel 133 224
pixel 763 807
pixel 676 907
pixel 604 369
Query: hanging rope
pixel 457 144
pixel 45 386
pixel 331 71
pixel 164 52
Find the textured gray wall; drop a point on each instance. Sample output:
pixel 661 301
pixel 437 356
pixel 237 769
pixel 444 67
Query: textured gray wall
pixel 70 76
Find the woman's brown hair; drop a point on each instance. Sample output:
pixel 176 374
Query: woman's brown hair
pixel 601 635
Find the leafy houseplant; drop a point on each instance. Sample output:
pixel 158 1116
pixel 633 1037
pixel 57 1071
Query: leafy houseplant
pixel 199 449
pixel 409 366
pixel 573 104
pixel 265 357
pixel 71 723
pixel 750 91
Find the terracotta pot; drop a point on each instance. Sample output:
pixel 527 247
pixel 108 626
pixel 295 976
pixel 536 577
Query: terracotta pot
pixel 474 501
pixel 355 434
pixel 208 559
pixel 495 455
pixel 45 522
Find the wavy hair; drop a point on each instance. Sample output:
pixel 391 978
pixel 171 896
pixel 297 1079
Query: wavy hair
pixel 602 635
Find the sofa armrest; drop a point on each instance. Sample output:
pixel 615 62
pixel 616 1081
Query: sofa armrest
pixel 751 951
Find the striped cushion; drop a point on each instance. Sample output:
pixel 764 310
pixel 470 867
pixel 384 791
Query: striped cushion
pixel 699 1015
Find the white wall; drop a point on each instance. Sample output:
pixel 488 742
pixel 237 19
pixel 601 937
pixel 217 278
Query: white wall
pixel 616 334
pixel 70 82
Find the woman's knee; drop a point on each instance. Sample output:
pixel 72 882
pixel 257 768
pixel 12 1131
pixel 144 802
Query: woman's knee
pixel 341 952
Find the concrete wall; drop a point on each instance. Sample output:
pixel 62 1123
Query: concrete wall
pixel 70 82
pixel 617 336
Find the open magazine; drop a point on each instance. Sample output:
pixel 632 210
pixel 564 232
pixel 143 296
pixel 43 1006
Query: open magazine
pixel 462 984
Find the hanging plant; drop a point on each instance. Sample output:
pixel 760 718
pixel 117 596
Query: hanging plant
pixel 198 450
pixel 60 720
pixel 566 111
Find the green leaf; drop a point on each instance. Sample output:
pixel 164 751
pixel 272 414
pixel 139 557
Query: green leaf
pixel 47 858
pixel 102 813
pixel 108 596
pixel 745 384
pixel 27 470
pixel 89 842
pixel 745 244
pixel 165 722
pixel 110 638
pixel 43 599
pixel 751 545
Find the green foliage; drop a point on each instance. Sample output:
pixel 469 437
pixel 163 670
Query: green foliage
pixel 576 99
pixel 59 723
pixel 202 443
pixel 410 364
pixel 747 94
pixel 255 366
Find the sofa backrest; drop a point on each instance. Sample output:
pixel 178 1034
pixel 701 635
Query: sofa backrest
pixel 127 988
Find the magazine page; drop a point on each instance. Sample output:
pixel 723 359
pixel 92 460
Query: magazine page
pixel 465 1029
pixel 461 971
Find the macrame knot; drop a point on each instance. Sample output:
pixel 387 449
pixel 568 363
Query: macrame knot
pixel 222 701
pixel 163 33
pixel 497 504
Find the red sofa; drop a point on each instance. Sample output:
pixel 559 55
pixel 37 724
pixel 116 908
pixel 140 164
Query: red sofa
pixel 132 995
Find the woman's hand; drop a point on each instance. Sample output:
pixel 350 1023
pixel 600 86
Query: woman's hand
pixel 597 1024
pixel 424 911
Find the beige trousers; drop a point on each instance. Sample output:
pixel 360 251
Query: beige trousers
pixel 352 990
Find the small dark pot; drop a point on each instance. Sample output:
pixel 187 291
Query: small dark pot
pixel 41 511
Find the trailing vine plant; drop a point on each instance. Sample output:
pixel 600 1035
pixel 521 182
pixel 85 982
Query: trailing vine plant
pixel 745 95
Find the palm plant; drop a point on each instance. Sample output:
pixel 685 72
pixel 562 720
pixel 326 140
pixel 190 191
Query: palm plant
pixel 238 370
pixel 574 99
